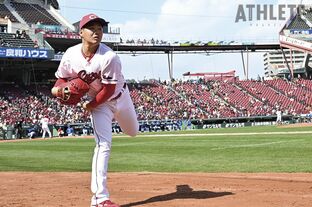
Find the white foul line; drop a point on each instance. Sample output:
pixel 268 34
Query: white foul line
pixel 220 134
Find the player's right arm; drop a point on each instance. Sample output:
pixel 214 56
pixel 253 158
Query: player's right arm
pixel 103 95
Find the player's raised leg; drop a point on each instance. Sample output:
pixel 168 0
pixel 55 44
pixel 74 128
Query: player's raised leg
pixel 125 114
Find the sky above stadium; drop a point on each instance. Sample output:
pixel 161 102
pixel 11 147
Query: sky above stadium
pixel 186 20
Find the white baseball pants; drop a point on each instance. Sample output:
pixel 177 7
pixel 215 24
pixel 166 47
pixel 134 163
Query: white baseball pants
pixel 45 130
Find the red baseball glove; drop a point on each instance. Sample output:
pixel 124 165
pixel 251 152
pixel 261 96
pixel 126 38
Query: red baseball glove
pixel 71 92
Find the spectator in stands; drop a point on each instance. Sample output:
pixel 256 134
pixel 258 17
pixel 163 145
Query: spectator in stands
pixel 36 44
pixel 23 35
pixel 17 35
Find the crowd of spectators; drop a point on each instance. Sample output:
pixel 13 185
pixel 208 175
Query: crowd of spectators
pixel 204 98
pixel 158 101
pixel 144 42
pixel 28 107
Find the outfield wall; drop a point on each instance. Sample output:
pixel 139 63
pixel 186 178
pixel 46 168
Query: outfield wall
pixel 163 125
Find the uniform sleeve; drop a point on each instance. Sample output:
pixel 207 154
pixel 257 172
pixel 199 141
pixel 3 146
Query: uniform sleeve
pixel 65 69
pixel 110 70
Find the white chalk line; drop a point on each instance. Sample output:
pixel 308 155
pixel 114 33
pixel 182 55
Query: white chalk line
pixel 254 145
pixel 220 134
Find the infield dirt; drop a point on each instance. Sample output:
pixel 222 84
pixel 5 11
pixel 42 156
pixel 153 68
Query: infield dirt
pixel 22 189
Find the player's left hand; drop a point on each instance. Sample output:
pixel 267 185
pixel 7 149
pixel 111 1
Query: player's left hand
pixel 86 106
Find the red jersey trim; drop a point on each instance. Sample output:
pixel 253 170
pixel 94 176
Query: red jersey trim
pixel 88 58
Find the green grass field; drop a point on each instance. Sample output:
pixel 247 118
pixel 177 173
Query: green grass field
pixel 211 150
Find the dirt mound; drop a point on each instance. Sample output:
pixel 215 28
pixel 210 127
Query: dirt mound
pixel 20 189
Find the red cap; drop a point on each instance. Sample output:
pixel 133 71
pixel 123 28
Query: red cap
pixel 89 18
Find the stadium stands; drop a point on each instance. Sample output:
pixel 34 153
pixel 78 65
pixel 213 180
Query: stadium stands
pixel 306 84
pixel 42 16
pixel 15 40
pixel 308 15
pixel 244 102
pixel 5 13
pixel 298 23
pixel 157 102
pixel 204 99
pixel 291 90
pixel 272 97
pixel 168 101
pixel 28 105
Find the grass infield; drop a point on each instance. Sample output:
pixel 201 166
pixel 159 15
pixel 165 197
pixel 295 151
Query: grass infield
pixel 250 149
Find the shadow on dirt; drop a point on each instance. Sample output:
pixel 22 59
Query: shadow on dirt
pixel 183 192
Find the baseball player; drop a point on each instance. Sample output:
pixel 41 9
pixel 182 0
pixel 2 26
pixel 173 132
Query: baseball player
pixel 45 127
pixel 278 116
pixel 108 97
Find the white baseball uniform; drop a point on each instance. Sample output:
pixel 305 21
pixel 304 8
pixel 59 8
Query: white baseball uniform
pixel 279 116
pixel 103 68
pixel 45 127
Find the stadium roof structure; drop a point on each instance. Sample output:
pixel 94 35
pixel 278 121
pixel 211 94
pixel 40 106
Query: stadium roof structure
pixel 193 49
pixel 62 44
pixel 296 34
pixel 230 75
pixel 196 49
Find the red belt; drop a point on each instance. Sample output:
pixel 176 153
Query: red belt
pixel 119 94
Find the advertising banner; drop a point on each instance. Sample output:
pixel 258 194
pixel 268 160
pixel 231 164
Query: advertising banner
pixel 23 53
